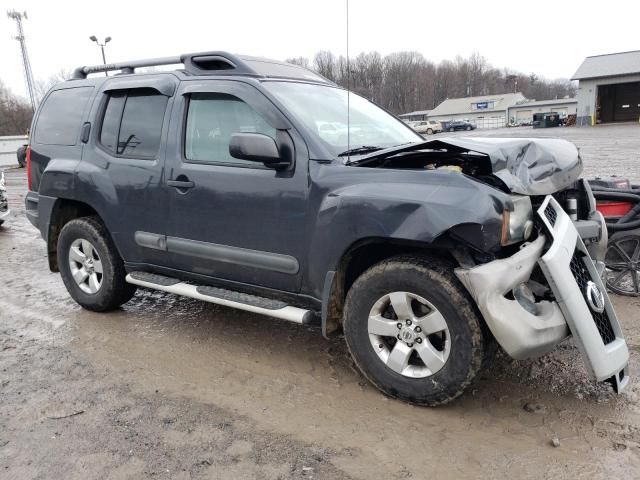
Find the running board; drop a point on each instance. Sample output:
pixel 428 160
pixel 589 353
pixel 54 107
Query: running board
pixel 221 296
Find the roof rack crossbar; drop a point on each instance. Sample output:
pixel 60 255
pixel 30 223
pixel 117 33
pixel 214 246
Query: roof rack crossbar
pixel 82 72
pixel 193 62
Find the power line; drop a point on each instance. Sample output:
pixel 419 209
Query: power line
pixel 28 74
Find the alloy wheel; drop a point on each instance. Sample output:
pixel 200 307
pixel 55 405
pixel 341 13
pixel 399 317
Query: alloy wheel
pixel 409 334
pixel 86 266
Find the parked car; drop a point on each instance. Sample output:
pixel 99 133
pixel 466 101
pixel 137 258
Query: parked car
pixel 212 182
pixel 546 120
pixel 4 201
pixel 460 125
pixel 427 126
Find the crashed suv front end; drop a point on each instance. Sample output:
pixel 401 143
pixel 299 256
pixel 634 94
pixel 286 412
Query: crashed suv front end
pixel 544 284
pixel 528 321
pixel 552 287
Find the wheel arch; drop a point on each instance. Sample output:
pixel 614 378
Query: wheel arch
pixel 64 210
pixel 360 256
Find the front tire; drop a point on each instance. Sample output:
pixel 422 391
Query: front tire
pixel 413 331
pixel 91 267
pixel 429 132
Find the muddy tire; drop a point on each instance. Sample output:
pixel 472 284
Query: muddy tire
pixel 413 331
pixel 91 267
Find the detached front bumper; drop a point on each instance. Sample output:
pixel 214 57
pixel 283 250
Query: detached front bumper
pixel 526 328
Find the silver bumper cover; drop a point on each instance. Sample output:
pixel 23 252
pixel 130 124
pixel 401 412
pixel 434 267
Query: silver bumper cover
pixel 527 329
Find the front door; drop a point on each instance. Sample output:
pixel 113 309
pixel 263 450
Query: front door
pixel 228 218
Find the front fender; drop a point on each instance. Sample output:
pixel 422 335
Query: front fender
pixel 402 206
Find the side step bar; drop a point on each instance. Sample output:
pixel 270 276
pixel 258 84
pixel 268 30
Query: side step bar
pixel 220 296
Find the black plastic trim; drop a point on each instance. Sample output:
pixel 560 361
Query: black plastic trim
pixel 240 256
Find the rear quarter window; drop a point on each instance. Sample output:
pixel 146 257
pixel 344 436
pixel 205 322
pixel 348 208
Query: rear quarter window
pixel 132 123
pixel 60 118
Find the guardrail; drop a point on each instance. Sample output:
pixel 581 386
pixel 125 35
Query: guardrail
pixel 11 143
pixel 8 147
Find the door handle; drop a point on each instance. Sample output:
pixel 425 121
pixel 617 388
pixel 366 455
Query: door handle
pixel 181 184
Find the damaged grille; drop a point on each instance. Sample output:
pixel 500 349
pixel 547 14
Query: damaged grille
pixel 551 214
pixel 582 276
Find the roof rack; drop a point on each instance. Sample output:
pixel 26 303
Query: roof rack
pixel 203 63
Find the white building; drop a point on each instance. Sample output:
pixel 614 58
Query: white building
pixel 488 111
pixel 415 116
pixel 609 88
pixel 524 112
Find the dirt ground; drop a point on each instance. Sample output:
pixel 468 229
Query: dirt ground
pixel 170 387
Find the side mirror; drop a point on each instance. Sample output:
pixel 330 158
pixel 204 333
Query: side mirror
pixel 256 147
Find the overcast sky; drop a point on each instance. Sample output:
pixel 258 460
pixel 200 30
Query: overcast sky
pixel 549 38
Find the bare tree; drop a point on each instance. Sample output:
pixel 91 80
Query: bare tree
pixel 301 61
pixel 325 64
pixel 42 86
pixel 15 113
pixel 406 81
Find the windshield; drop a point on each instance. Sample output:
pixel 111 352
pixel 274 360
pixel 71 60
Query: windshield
pixel 323 110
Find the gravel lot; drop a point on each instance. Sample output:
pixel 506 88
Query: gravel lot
pixel 169 387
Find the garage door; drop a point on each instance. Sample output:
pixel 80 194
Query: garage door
pixel 619 102
pixel 524 115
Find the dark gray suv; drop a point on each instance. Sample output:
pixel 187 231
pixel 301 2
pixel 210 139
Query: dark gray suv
pixel 246 182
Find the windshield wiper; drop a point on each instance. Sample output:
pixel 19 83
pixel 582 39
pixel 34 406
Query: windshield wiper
pixel 359 150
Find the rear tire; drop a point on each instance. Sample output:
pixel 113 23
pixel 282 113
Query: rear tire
pixel 91 267
pixel 428 369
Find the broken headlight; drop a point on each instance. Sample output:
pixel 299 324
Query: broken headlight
pixel 517 224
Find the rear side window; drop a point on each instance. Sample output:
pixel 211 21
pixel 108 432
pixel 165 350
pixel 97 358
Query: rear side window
pixel 132 123
pixel 211 120
pixel 60 118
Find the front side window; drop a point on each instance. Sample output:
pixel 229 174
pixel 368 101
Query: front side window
pixel 132 123
pixel 212 118
pixel 60 117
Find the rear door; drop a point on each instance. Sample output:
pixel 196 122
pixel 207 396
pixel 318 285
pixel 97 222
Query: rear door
pixel 237 220
pixel 122 170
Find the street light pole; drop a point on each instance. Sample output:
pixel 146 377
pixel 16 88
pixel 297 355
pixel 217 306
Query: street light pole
pixel 93 38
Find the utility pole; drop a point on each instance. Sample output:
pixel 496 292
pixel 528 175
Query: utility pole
pixel 28 74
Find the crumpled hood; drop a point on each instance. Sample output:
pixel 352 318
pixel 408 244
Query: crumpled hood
pixel 528 166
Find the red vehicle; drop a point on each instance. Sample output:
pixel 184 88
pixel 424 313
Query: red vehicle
pixel 619 202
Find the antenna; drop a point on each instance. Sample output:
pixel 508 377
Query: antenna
pixel 28 74
pixel 348 86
